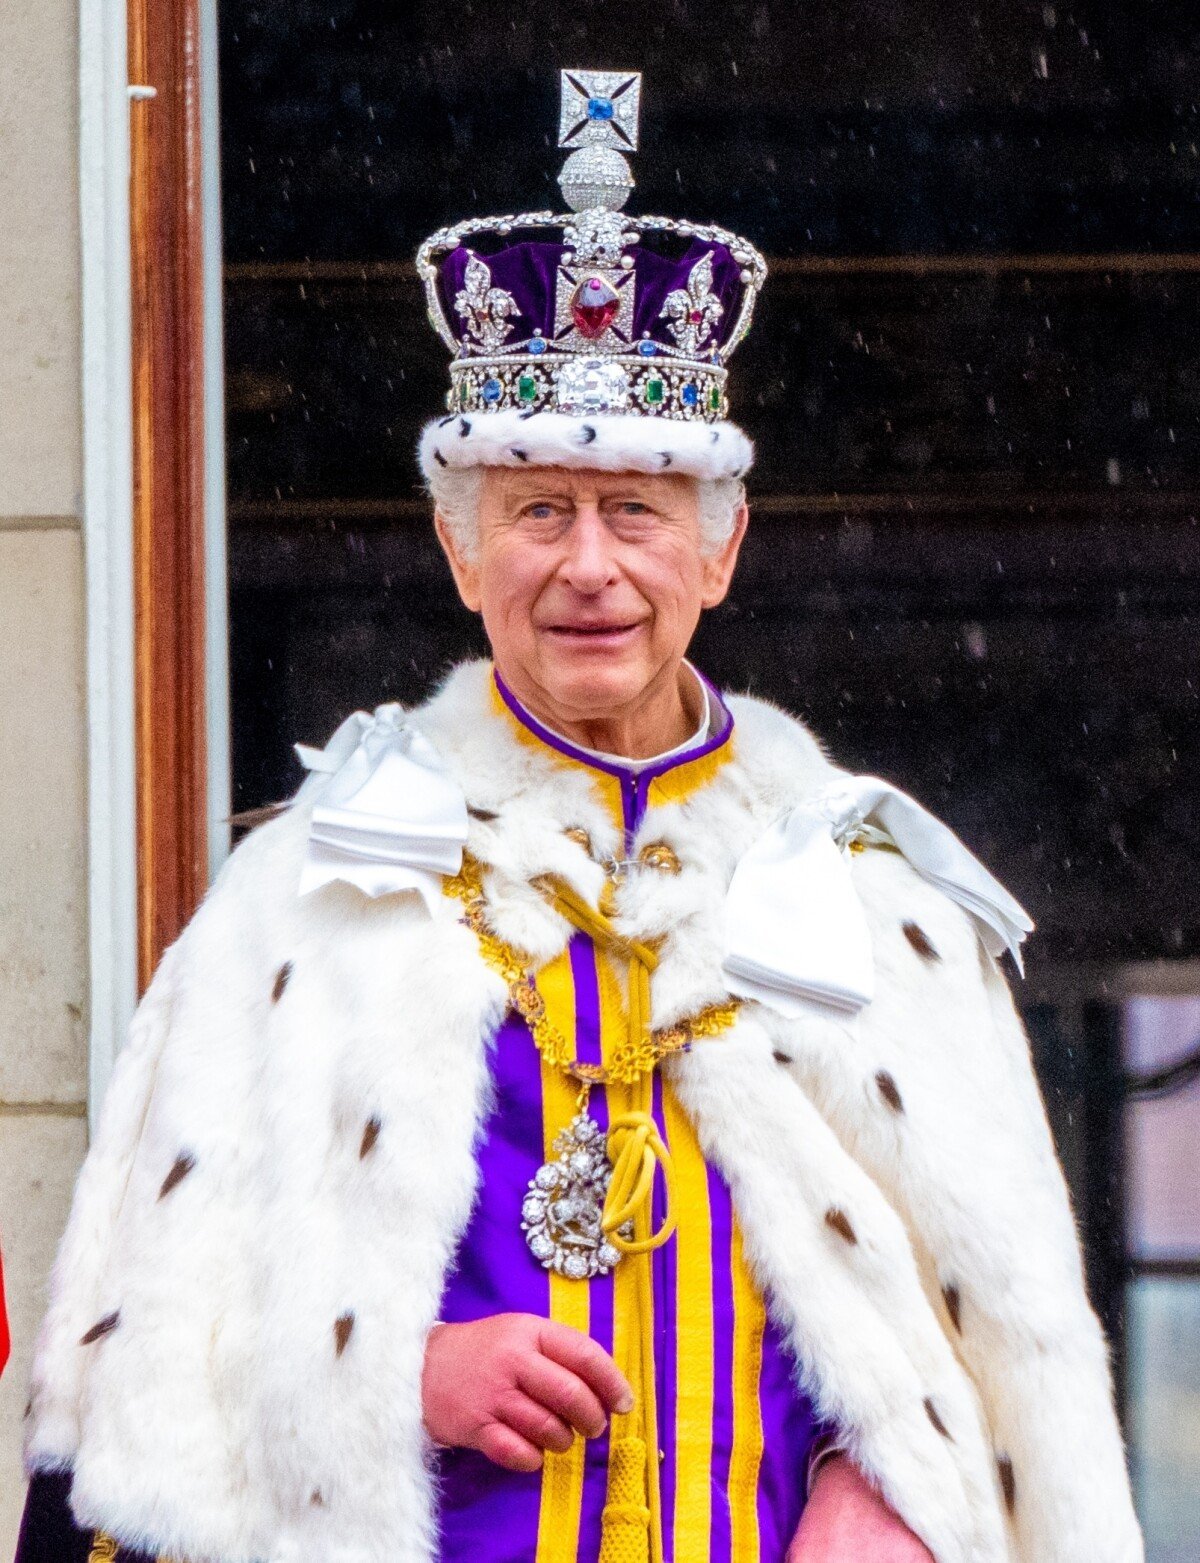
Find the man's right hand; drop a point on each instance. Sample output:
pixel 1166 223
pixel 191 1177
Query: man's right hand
pixel 513 1385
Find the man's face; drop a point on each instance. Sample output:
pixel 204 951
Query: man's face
pixel 590 584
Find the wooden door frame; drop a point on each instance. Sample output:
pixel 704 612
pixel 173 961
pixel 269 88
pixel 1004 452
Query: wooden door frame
pixel 167 346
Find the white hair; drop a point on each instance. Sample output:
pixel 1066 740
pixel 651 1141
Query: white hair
pixel 456 493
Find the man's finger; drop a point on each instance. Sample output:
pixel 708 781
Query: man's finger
pixel 534 1422
pixel 508 1449
pixel 564 1393
pixel 572 1349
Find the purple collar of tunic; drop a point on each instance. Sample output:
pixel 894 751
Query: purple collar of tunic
pixel 634 781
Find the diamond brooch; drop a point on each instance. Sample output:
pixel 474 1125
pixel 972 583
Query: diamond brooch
pixel 563 1208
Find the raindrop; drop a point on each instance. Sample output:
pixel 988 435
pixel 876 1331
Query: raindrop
pixel 975 640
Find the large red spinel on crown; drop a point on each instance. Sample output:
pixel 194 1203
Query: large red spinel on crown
pixel 594 307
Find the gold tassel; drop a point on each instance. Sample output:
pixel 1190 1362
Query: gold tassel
pixel 625 1532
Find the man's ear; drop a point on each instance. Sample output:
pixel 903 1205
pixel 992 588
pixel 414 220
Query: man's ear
pixel 464 566
pixel 719 566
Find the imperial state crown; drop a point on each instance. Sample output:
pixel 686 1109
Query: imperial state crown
pixel 590 337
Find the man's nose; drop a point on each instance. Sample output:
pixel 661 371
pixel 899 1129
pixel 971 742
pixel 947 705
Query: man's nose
pixel 589 563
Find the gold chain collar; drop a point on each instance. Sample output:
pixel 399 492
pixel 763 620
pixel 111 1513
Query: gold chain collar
pixel 643 1047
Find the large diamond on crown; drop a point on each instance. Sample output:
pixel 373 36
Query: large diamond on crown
pixel 590 385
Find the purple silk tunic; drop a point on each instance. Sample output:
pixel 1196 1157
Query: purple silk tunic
pixel 487 1513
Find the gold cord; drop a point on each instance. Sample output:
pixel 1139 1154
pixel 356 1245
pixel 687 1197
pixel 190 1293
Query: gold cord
pixel 631 1523
pixel 635 1149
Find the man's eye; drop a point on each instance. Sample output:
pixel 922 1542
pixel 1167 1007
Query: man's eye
pixel 540 512
pixel 634 507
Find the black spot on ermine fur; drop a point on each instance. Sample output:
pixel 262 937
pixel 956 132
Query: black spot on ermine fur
pixel 282 977
pixel 921 942
pixel 1008 1482
pixel 931 1411
pixel 838 1221
pixel 889 1090
pixel 953 1299
pixel 101 1328
pixel 182 1166
pixel 370 1135
pixel 342 1328
pixel 781 1058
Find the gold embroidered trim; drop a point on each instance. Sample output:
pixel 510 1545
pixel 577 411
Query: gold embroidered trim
pixel 631 1059
pixel 104 1548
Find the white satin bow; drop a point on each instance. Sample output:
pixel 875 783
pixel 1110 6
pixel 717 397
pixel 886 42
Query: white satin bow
pixel 390 817
pixel 795 930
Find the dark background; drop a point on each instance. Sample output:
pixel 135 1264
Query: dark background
pixel 974 564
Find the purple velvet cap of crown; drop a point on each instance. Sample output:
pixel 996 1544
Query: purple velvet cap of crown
pixel 529 272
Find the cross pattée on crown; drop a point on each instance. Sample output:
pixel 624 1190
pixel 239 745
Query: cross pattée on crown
pixel 600 108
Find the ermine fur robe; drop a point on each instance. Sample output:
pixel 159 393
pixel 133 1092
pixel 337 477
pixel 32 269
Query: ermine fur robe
pixel 255 1285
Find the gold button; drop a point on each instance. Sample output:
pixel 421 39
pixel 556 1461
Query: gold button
pixel 659 855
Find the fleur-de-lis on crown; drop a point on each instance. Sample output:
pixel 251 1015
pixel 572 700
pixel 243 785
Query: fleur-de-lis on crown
pixel 693 310
pixel 484 308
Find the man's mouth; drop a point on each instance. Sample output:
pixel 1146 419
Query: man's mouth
pixel 603 633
